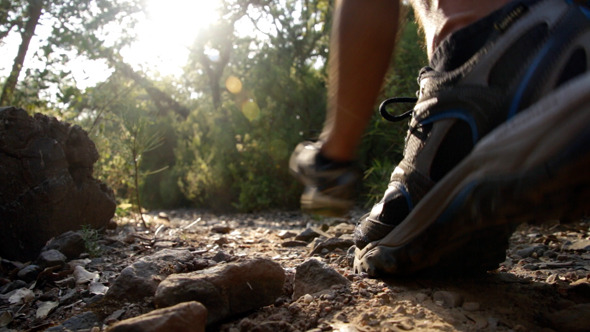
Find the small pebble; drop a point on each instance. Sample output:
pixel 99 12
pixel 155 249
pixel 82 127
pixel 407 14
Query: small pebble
pixel 307 298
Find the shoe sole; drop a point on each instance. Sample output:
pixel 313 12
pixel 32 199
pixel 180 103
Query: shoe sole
pixel 315 201
pixel 536 166
pixel 325 205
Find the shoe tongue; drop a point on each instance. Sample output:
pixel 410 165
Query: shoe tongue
pixel 462 44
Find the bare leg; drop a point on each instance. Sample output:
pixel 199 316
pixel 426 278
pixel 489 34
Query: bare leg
pixel 362 42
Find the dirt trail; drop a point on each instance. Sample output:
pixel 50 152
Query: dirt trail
pixel 544 284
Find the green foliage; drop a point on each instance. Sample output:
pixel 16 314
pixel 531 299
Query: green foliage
pixel 79 29
pixel 237 153
pixel 91 238
pixel 123 209
pixel 249 105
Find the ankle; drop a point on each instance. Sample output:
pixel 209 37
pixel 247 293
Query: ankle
pixel 330 162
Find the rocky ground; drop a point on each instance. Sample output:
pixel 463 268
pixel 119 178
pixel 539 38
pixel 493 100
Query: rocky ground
pixel 283 271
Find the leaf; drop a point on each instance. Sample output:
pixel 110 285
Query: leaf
pixel 97 288
pixel 22 295
pixel 45 308
pixel 82 276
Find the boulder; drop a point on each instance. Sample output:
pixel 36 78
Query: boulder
pixel 47 186
pixel 186 316
pixel 225 289
pixel 314 276
pixel 142 278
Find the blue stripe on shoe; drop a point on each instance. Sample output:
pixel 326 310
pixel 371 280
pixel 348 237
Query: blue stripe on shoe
pixel 585 7
pixel 460 114
pixel 406 194
pixel 524 84
pixel 457 202
pixel 556 41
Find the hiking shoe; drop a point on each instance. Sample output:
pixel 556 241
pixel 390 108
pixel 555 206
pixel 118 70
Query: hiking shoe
pixel 479 77
pixel 534 167
pixel 329 186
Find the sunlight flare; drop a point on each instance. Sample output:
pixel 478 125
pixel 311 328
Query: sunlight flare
pixel 250 110
pixel 233 85
pixel 167 32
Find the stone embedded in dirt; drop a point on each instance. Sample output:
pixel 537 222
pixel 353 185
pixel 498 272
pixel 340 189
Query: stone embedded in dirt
pixel 307 298
pixel 579 245
pixel 29 272
pixel 285 234
pixel 221 229
pixel 70 296
pixel 225 289
pixel 114 317
pixel 69 243
pixel 9 287
pixel 448 299
pixel 141 278
pixel 222 256
pixel 330 245
pixel 343 229
pixel 314 276
pixel 293 243
pixel 47 185
pixel 183 317
pixel 307 235
pixel 572 319
pixel 82 322
pixel 51 257
pixel 51 294
pixel 535 251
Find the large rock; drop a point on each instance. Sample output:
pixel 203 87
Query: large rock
pixel 141 278
pixel 183 317
pixel 226 289
pixel 573 319
pixel 81 322
pixel 313 276
pixel 69 243
pixel 47 186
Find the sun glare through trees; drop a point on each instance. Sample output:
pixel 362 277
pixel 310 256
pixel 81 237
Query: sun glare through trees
pixel 167 31
pixel 190 103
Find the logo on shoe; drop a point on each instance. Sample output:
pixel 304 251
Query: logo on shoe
pixel 504 23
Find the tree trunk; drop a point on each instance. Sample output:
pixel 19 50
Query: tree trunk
pixel 34 10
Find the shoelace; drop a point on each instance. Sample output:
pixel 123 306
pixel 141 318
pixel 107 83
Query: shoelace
pixel 401 100
pixel 396 100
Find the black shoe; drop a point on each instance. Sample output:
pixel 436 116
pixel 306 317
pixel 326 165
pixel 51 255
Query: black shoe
pixel 480 77
pixel 329 186
pixel 534 167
